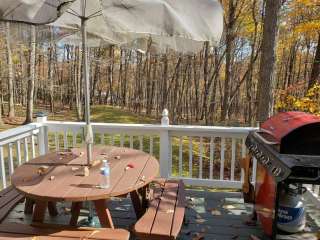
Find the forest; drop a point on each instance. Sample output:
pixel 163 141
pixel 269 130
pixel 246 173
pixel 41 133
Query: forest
pixel 268 60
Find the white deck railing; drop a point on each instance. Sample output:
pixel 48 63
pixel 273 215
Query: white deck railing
pixel 200 155
pixel 17 145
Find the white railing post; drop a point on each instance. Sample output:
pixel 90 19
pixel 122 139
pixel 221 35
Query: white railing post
pixel 43 136
pixel 164 146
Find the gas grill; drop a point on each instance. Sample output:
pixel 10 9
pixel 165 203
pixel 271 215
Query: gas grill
pixel 287 149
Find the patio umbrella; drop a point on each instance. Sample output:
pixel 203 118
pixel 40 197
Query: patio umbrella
pixel 181 25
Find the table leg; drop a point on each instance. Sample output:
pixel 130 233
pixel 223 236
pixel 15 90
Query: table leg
pixel 103 213
pixel 52 207
pixel 28 206
pixel 75 212
pixel 39 211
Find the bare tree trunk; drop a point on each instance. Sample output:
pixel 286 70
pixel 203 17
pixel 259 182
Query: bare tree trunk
pixel 229 59
pixel 78 84
pixel 206 85
pixel 315 73
pixel 268 58
pixel 50 71
pixel 1 122
pixel 32 75
pixel 11 113
pixel 110 74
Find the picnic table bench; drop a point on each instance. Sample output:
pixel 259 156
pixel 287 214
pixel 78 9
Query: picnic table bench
pixel 165 214
pixel 23 231
pixel 10 197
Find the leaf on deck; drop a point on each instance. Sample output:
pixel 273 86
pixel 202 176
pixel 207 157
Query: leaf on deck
pixel 198 236
pixel 214 212
pixel 253 237
pixel 228 206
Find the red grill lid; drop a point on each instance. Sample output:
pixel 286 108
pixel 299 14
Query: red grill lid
pixel 283 123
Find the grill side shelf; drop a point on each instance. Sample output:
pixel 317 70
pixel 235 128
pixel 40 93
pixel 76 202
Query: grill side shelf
pixel 268 157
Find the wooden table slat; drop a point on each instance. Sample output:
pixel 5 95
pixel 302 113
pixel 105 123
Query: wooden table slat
pixel 131 176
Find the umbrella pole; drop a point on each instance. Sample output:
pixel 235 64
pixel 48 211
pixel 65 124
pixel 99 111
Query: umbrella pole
pixel 89 137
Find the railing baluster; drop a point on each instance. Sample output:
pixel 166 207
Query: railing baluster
pixel 131 141
pixel 65 139
pixel 170 156
pixel 25 150
pixel 211 157
pixel 233 157
pixel 102 139
pixel 10 156
pixel 190 157
pixel 180 156
pixel 3 168
pixel 151 145
pixel 200 157
pixel 222 151
pixel 74 139
pixel 56 141
pixel 33 150
pixel 243 155
pixel 141 143
pixel 121 139
pixel 112 139
pixel 18 143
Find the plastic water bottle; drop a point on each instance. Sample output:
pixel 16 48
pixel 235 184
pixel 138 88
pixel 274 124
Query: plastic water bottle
pixel 105 172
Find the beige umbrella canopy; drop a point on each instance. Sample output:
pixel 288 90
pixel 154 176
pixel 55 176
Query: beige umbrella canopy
pixel 181 25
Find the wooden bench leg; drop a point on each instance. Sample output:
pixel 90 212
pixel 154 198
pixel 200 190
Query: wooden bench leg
pixel 144 200
pixel 103 213
pixel 52 207
pixel 28 206
pixel 137 204
pixel 75 212
pixel 39 211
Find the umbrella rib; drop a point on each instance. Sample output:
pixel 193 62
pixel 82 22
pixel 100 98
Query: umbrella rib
pixel 96 14
pixel 11 10
pixel 74 13
pixel 50 4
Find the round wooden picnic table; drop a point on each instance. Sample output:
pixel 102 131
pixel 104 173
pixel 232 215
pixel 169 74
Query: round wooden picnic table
pixel 62 179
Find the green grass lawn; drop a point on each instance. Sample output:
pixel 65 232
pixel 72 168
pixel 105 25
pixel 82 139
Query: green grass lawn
pixel 99 113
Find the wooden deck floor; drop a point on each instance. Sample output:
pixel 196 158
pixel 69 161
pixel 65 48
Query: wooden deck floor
pixel 210 215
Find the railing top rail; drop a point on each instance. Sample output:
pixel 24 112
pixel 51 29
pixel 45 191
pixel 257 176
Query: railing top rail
pixel 15 132
pixel 154 127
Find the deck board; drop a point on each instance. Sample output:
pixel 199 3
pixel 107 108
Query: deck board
pixel 210 214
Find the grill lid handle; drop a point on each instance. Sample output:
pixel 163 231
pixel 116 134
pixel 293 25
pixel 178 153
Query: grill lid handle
pixel 263 139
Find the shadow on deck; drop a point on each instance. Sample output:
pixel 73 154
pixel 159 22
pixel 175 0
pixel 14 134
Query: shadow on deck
pixel 210 215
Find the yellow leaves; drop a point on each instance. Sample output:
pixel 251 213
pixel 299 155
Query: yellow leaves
pixel 307 3
pixel 308 27
pixel 308 103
